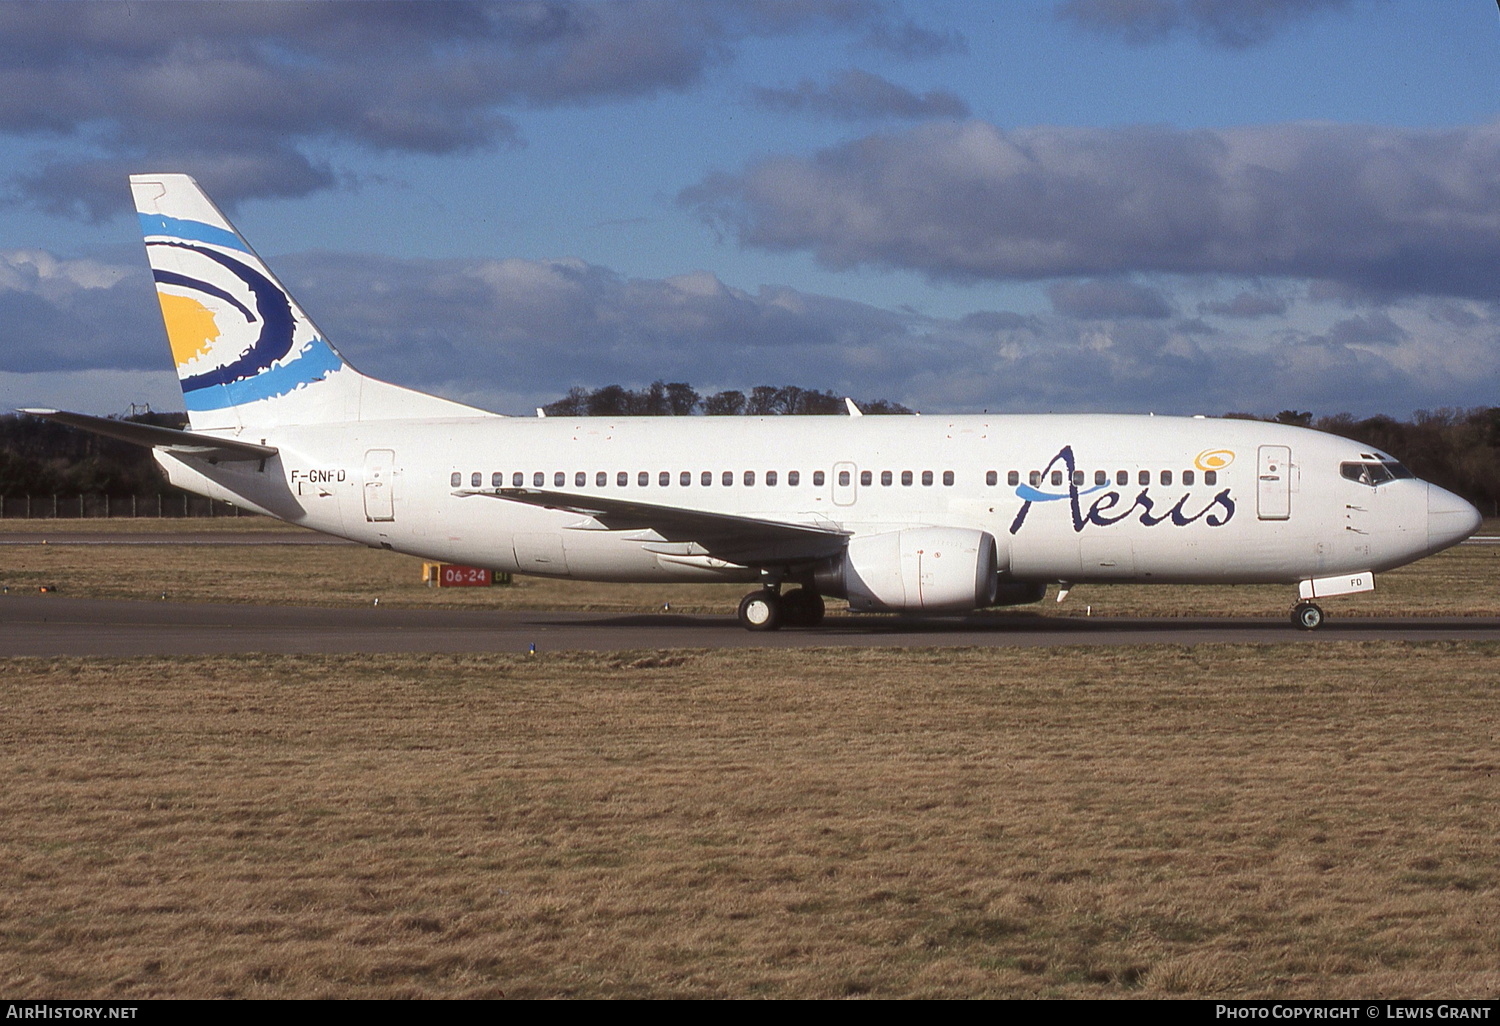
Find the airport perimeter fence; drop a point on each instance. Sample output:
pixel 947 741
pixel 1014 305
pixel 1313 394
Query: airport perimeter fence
pixel 155 505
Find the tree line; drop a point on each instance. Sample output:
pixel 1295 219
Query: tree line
pixel 1458 449
pixel 679 399
pixel 39 457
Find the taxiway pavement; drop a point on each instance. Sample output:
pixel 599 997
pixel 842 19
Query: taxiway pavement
pixel 54 625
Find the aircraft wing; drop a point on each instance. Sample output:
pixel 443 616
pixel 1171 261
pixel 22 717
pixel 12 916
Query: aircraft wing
pixel 179 443
pixel 687 532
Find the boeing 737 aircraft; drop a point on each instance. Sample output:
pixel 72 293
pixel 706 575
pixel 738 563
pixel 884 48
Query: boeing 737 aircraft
pixel 925 515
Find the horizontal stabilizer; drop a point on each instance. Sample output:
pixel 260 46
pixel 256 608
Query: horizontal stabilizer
pixel 179 443
pixel 728 536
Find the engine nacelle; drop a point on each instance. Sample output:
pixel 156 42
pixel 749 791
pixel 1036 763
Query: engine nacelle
pixel 925 569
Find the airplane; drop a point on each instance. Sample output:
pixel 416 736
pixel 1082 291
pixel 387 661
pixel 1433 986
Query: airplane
pixel 934 515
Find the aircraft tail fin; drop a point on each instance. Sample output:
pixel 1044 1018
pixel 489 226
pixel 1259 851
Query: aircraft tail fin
pixel 247 356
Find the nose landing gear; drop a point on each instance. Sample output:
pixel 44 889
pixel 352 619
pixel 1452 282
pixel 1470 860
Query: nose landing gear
pixel 1307 616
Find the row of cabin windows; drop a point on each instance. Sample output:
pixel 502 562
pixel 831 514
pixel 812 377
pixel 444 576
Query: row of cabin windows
pixel 794 478
pixel 685 478
pixel 1101 477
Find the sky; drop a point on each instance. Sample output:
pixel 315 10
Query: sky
pixel 1169 206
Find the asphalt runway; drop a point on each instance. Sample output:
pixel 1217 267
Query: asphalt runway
pixel 53 625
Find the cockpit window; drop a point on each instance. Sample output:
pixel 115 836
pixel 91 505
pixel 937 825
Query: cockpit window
pixel 1374 473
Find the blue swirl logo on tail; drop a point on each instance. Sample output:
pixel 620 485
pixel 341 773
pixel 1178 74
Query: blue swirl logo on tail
pixel 233 329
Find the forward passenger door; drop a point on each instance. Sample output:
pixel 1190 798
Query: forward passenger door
pixel 1273 487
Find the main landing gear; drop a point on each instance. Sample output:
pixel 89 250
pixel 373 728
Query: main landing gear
pixel 769 609
pixel 1307 615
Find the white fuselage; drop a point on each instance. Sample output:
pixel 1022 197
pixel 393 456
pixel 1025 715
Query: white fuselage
pixel 1202 500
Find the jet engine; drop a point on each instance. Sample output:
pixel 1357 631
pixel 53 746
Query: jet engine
pixel 924 569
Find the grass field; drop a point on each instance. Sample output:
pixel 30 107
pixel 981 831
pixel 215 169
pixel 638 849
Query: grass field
pixel 1221 821
pixel 1459 582
pixel 1215 821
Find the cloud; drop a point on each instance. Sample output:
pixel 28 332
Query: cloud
pixel 914 42
pixel 1105 299
pixel 246 94
pixel 58 314
pixel 1372 329
pixel 513 334
pixel 855 95
pixel 1247 306
pixel 1233 24
pixel 1390 210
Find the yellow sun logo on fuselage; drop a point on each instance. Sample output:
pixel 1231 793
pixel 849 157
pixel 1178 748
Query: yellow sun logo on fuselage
pixel 1213 459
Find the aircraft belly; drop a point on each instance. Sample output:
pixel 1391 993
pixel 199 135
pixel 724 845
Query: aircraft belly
pixel 1050 556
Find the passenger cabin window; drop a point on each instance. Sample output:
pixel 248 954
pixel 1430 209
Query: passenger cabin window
pixel 991 477
pixel 865 478
pixel 1077 478
pixel 601 479
pixel 887 478
pixel 1036 478
pixel 817 479
pixel 621 479
pixel 476 479
pixel 580 479
pixel 643 478
pixel 927 477
pixel 1210 477
pixel 1187 477
pixel 538 479
pixel 457 480
pixel 1166 477
pixel 793 478
pixel 1145 477
pixel 749 478
pixel 843 479
pixel 1013 478
pixel 1056 478
pixel 1101 477
pixel 559 479
pixel 707 478
pixel 664 478
pixel 685 478
pixel 906 478
pixel 770 479
pixel 948 478
pixel 1122 478
pixel 517 479
pixel 728 478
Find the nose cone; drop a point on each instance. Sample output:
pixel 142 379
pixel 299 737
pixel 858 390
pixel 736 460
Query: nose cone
pixel 1449 519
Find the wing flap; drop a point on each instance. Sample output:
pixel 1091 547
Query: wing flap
pixel 727 536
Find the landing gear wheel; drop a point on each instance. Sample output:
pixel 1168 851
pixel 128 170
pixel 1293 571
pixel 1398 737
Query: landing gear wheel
pixel 1307 616
pixel 761 611
pixel 802 607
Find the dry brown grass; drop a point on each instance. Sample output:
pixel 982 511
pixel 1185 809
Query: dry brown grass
pixel 1215 821
pixel 149 525
pixel 1459 582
